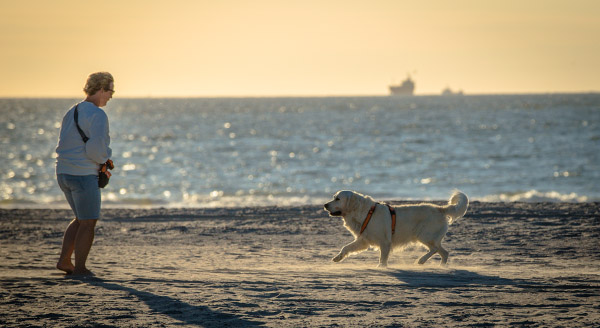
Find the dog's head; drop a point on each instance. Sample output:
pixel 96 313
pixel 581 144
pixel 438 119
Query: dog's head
pixel 346 201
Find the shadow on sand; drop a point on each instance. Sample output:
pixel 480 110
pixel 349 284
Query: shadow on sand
pixel 454 278
pixel 201 316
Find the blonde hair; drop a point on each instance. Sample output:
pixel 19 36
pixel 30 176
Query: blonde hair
pixel 97 81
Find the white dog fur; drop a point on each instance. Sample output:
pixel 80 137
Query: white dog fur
pixel 424 223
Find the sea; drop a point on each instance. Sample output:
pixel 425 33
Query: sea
pixel 232 152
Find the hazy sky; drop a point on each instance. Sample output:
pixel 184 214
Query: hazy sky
pixel 305 47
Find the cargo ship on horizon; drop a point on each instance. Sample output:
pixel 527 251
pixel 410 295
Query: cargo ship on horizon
pixel 406 88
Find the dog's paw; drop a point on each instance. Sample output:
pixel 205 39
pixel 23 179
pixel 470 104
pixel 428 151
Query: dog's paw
pixel 338 258
pixel 382 266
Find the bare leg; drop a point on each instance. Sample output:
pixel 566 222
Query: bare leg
pixel 64 261
pixel 83 244
pixel 354 247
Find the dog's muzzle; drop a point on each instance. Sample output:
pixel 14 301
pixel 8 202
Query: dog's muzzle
pixel 336 213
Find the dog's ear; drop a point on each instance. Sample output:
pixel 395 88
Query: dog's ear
pixel 355 202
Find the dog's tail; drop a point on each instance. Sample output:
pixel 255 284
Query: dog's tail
pixel 457 206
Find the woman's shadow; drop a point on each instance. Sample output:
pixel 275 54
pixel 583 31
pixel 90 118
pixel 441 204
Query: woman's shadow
pixel 186 313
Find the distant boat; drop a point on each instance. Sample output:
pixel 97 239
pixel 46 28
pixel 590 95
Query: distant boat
pixel 449 92
pixel 406 88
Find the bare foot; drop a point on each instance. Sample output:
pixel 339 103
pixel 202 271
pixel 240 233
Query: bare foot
pixel 67 267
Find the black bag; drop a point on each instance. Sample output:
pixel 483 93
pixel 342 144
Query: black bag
pixel 102 179
pixel 103 174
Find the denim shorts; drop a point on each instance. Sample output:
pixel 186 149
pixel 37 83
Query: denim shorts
pixel 83 194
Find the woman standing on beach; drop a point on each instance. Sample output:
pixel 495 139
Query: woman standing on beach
pixel 77 167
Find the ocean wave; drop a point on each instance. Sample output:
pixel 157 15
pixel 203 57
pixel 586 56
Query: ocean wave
pixel 534 196
pixel 193 202
pixel 531 196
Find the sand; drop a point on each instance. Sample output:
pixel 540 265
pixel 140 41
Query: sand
pixel 511 264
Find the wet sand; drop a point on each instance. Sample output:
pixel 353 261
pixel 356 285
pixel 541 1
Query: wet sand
pixel 510 264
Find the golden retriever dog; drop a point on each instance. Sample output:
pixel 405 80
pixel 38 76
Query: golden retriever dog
pixel 424 223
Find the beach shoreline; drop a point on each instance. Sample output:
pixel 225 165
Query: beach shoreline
pixel 510 264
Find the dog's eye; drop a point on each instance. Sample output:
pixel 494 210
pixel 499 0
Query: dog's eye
pixel 337 199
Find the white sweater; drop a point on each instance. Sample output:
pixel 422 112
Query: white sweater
pixel 76 157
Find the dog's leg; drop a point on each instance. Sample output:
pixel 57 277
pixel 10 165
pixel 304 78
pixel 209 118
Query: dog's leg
pixel 384 255
pixel 432 250
pixel 444 254
pixel 426 257
pixel 356 246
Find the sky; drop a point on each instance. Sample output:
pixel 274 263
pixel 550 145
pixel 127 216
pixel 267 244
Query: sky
pixel 222 48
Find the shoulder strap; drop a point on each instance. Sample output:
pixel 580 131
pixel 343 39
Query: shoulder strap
pixel 393 214
pixel 367 219
pixel 83 136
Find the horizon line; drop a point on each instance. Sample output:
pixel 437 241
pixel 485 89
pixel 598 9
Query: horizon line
pixel 314 96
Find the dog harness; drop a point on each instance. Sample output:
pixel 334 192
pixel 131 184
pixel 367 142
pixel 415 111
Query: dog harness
pixel 370 214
